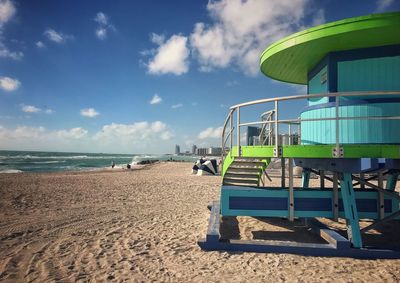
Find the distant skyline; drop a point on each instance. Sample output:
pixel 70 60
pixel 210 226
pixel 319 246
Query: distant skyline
pixel 142 76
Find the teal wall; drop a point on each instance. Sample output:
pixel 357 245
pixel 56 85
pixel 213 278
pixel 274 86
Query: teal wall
pixel 371 74
pixel 278 193
pixel 317 85
pixel 352 131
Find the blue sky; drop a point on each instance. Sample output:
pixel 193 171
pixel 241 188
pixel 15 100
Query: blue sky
pixel 142 76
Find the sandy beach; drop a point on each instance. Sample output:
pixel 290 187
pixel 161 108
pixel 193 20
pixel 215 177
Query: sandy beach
pixel 140 225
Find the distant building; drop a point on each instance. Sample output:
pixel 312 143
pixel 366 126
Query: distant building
pixel 202 151
pixel 214 151
pixel 177 149
pixel 194 148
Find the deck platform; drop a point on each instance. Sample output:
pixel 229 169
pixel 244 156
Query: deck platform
pixel 336 246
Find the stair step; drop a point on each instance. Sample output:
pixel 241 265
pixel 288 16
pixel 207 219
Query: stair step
pixel 240 175
pixel 240 181
pixel 245 159
pixel 250 170
pixel 232 183
pixel 248 163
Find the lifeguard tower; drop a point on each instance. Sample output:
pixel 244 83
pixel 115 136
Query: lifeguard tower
pixel 347 134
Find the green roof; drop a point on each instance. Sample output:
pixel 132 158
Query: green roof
pixel 291 58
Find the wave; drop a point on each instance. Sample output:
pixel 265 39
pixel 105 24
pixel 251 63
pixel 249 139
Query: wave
pixel 11 171
pixel 64 157
pixel 48 162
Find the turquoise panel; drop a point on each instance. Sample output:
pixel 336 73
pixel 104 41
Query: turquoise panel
pixel 318 84
pixel 276 192
pixel 228 191
pixel 373 74
pixel 352 131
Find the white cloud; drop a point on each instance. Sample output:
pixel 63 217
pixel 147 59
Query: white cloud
pixel 34 109
pixel 176 105
pixel 30 108
pixel 9 84
pixel 39 138
pixel 74 133
pixel 210 133
pixel 22 132
pixel 158 39
pixel 101 18
pixel 89 112
pixel 241 30
pixel 57 37
pixel 7 11
pixel 7 53
pixel 133 133
pixel 156 99
pixel 382 5
pixel 40 44
pixel 166 135
pixel 103 25
pixel 49 111
pixel 101 33
pixel 139 136
pixel 209 47
pixel 319 18
pixel 171 56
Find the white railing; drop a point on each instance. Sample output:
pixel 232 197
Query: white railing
pixel 265 136
pixel 274 120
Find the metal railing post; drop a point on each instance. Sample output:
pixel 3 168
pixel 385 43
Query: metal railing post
pixel 230 133
pixel 290 134
pixel 299 133
pixel 238 131
pixel 276 130
pixel 337 126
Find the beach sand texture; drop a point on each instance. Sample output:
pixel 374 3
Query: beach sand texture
pixel 141 225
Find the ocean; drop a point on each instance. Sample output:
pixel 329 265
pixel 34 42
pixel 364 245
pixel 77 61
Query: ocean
pixel 36 161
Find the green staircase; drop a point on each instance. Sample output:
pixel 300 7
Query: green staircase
pixel 245 171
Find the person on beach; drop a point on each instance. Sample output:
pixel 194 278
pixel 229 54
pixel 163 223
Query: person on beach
pixel 112 164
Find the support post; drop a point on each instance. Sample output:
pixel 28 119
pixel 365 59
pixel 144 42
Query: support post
pixel 305 180
pixel 291 191
pixel 391 179
pixel 381 197
pixel 335 197
pixel 283 175
pixel 350 210
pixel 362 185
pixel 322 179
